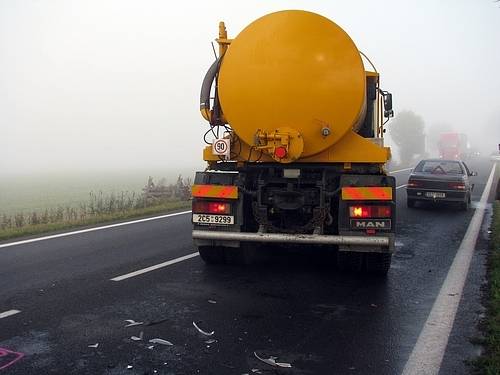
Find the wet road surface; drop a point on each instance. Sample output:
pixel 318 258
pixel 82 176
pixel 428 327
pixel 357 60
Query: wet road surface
pixel 293 305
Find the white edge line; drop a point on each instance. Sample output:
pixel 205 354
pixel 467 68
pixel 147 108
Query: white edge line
pixel 155 267
pixel 427 355
pixel 65 234
pixel 400 170
pixel 401 186
pixel 5 314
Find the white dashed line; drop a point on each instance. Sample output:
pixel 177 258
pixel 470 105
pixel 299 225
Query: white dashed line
pixel 429 350
pixel 91 229
pixel 155 267
pixel 5 314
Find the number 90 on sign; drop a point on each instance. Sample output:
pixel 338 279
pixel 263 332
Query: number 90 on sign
pixel 221 146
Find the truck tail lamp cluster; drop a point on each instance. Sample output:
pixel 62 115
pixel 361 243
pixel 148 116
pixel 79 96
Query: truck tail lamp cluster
pixel 365 212
pixel 211 207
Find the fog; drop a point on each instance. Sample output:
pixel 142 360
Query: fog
pixel 114 85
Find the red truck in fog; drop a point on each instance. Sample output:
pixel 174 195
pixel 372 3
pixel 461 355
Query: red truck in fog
pixel 453 146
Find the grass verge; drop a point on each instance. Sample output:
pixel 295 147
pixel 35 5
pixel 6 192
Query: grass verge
pixel 489 362
pixel 34 229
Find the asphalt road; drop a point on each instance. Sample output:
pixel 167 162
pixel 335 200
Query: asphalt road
pixel 294 306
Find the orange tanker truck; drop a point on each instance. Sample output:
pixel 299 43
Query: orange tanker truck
pixel 297 156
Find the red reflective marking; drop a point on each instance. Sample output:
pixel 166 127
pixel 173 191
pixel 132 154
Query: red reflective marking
pixel 380 192
pixel 8 358
pixel 227 191
pixel 353 193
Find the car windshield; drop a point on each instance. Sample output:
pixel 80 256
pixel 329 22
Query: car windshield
pixel 439 167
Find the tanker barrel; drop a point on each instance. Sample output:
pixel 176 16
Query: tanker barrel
pixel 292 78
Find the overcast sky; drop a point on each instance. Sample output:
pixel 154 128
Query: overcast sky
pixel 101 84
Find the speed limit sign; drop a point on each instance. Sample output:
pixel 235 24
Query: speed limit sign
pixel 221 146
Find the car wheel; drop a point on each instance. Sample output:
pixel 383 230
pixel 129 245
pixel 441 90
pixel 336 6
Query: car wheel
pixel 410 203
pixel 464 206
pixel 212 254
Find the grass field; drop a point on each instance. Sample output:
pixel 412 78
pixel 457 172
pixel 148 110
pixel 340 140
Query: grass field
pixel 43 203
pixel 37 192
pixel 489 362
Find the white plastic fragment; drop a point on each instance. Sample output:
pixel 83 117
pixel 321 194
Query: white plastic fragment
pixel 210 341
pixel 161 342
pixel 212 301
pixel 132 323
pixel 129 366
pixel 150 347
pixel 272 361
pixel 94 345
pixel 138 338
pixel 202 331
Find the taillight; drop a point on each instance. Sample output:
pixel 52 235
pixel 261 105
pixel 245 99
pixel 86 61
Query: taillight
pixel 207 207
pixel 369 211
pixel 413 183
pixel 280 152
pixel 457 185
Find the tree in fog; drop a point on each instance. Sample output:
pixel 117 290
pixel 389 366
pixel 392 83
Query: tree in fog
pixel 407 131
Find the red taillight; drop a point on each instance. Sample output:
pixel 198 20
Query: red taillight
pixel 369 211
pixel 280 152
pixel 206 207
pixel 413 183
pixel 457 185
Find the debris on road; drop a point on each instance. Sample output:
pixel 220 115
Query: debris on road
pixel 154 322
pixel 133 323
pixel 94 345
pixel 202 331
pixel 210 341
pixel 212 301
pixel 129 366
pixel 138 338
pixel 161 342
pixel 271 361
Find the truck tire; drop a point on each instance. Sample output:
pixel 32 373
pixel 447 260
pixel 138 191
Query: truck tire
pixel 349 261
pixel 240 256
pixel 212 254
pixel 410 203
pixel 378 263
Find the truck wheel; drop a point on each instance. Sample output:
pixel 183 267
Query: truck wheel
pixel 212 254
pixel 378 263
pixel 240 256
pixel 349 261
pixel 410 203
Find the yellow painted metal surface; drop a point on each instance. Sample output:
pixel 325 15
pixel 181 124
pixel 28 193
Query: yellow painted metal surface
pixel 293 69
pixel 215 191
pixel 367 193
pixel 352 148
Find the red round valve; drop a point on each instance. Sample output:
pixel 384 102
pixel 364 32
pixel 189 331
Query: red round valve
pixel 280 152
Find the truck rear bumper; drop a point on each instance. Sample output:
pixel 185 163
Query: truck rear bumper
pixel 310 239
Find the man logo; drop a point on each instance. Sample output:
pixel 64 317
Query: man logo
pixel 371 224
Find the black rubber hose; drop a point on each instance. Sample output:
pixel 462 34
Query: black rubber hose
pixel 206 86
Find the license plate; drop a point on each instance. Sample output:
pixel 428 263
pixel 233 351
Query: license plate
pixel 434 194
pixel 213 219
